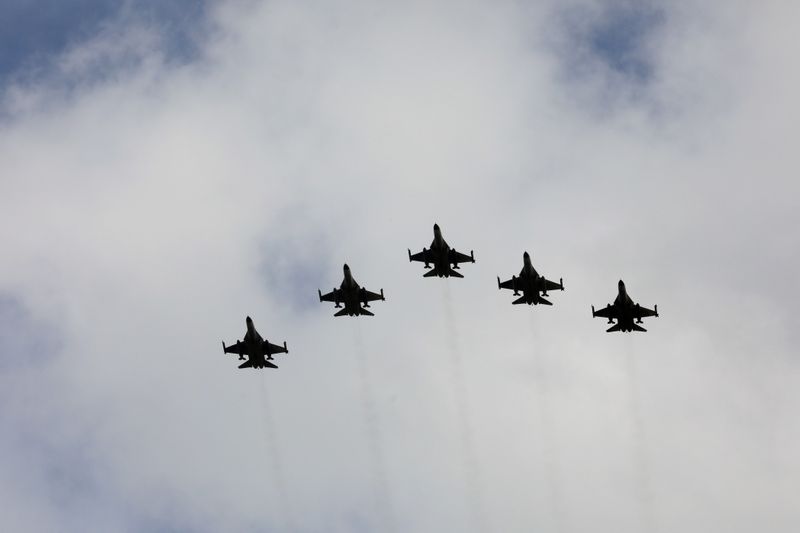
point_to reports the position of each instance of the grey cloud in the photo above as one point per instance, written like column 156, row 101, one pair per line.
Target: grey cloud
column 149, row 212
column 25, row 341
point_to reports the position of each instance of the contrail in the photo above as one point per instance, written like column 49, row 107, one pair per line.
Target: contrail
column 273, row 450
column 643, row 478
column 474, row 481
column 548, row 435
column 380, row 482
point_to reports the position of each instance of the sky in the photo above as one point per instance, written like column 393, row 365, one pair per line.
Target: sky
column 169, row 169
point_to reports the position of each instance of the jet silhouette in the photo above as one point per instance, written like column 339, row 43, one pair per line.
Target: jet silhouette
column 258, row 351
column 530, row 283
column 352, row 296
column 625, row 311
column 442, row 257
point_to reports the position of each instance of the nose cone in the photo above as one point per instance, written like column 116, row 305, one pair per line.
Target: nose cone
column 436, row 227
column 249, row 321
column 621, row 285
column 526, row 256
column 346, row 268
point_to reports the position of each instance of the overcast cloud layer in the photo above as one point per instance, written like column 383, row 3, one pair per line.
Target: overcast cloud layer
column 151, row 201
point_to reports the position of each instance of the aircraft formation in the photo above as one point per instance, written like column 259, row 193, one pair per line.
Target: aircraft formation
column 441, row 261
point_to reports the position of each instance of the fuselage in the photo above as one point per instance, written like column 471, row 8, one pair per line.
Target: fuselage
column 529, row 281
column 350, row 293
column 625, row 306
column 622, row 300
column 438, row 241
column 252, row 337
column 440, row 253
column 348, row 283
column 253, row 343
column 527, row 266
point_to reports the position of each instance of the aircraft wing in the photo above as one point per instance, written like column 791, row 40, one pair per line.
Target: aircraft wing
column 553, row 286
column 641, row 312
column 237, row 348
column 370, row 296
column 268, row 348
column 506, row 284
column 458, row 257
column 422, row 257
column 607, row 312
column 330, row 297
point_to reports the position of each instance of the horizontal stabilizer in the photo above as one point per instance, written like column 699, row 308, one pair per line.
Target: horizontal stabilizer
column 368, row 313
column 615, row 327
column 431, row 273
column 454, row 274
column 638, row 328
column 524, row 300
column 249, row 364
column 341, row 313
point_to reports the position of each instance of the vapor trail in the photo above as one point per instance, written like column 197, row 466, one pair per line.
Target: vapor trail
column 272, row 449
column 473, row 477
column 380, row 482
column 643, row 477
column 549, row 452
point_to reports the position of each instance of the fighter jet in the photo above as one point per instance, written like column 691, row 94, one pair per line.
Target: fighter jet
column 625, row 312
column 442, row 256
column 258, row 351
column 352, row 296
column 530, row 283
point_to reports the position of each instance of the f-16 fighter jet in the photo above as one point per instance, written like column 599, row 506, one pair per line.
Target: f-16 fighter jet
column 258, row 351
column 625, row 312
column 351, row 295
column 530, row 283
column 442, row 257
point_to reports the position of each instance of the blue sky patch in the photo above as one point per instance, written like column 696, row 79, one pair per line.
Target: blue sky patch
column 613, row 39
column 33, row 32
column 619, row 39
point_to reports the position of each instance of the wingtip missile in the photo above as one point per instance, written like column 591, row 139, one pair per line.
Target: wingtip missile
column 409, row 255
column 284, row 347
column 472, row 255
column 498, row 283
column 561, row 282
column 594, row 314
column 320, row 294
column 655, row 309
column 383, row 298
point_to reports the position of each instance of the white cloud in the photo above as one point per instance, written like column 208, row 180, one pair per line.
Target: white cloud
column 147, row 213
